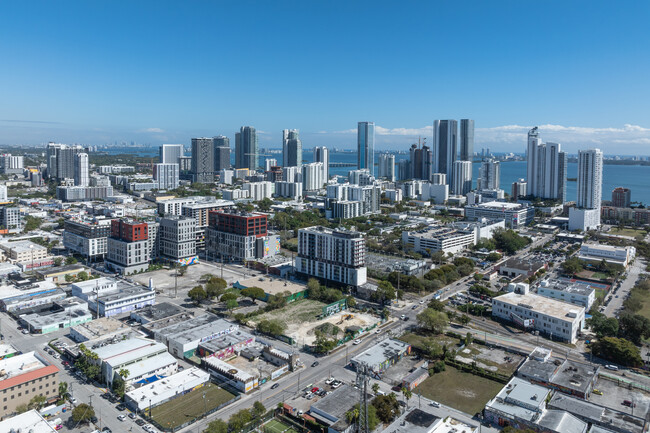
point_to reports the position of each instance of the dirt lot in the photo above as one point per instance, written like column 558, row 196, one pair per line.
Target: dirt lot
column 301, row 318
column 490, row 358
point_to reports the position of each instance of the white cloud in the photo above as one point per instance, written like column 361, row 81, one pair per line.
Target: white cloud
column 152, row 130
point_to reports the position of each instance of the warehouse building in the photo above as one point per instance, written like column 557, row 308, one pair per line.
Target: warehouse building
column 516, row 215
column 559, row 320
column 382, row 355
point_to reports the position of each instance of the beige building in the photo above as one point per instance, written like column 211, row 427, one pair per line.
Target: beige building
column 23, row 377
column 23, row 251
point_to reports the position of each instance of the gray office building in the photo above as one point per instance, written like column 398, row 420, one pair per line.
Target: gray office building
column 203, row 160
column 322, row 154
column 445, row 135
column 291, row 148
column 221, row 153
column 466, row 139
column 366, row 146
column 246, row 148
column 61, row 160
column 421, row 162
column 171, row 153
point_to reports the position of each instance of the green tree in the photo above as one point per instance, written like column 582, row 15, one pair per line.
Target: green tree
column 438, row 366
column 70, row 260
column 231, row 304
column 58, row 261
column 253, row 293
column 271, row 327
column 22, row 408
column 32, row 223
column 602, row 325
column 468, row 339
column 373, row 420
column 228, row 297
column 37, row 402
column 375, row 387
column 217, row 426
column 509, row 241
column 432, row 320
column 618, row 350
column 572, row 266
column 213, row 290
column 436, row 304
column 407, row 395
column 197, row 294
column 238, row 420
column 386, row 407
column 265, row 204
column 351, row 301
column 275, row 302
column 82, row 413
column 385, row 292
column 464, row 319
column 633, row 327
column 258, row 409
column 323, row 344
column 82, row 276
column 63, row 388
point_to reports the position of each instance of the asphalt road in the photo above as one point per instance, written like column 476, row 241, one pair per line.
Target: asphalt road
column 616, row 301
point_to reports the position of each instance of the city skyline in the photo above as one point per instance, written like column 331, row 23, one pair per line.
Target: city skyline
column 141, row 85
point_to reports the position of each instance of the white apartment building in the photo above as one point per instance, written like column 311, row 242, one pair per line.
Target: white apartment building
column 438, row 238
column 586, row 215
column 557, row 319
column 611, row 254
column 333, row 255
column 177, row 237
column 259, row 190
column 361, row 177
column 394, row 195
column 386, row 167
column 166, row 176
column 23, row 251
column 344, row 209
column 235, row 194
column 288, row 189
column 576, row 294
column 322, row 154
column 439, row 193
column 313, row 176
column 174, row 206
column 226, row 176
column 127, row 257
column 546, row 168
column 462, row 183
column 291, row 174
column 81, row 174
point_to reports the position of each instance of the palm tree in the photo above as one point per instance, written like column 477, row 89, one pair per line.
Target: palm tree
column 352, row 415
column 63, row 389
column 124, row 373
column 407, row 396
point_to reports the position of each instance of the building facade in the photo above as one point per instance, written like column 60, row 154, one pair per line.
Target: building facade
column 178, row 239
column 203, row 160
column 366, row 146
column 445, row 147
column 246, row 148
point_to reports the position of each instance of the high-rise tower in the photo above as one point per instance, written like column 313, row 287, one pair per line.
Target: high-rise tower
column 366, row 146
column 203, row 160
column 246, row 148
column 291, row 148
column 445, row 135
column 466, row 140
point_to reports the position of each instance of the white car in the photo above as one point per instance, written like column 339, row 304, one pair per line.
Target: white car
column 73, row 400
column 121, row 417
column 357, row 341
column 611, row 367
column 435, row 404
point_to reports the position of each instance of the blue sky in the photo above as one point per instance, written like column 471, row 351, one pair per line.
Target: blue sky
column 156, row 71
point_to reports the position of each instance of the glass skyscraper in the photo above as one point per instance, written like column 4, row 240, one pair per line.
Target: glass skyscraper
column 366, row 146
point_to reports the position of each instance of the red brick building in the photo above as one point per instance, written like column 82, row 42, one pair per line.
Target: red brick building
column 245, row 224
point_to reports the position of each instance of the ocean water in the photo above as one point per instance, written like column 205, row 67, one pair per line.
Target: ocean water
column 635, row 177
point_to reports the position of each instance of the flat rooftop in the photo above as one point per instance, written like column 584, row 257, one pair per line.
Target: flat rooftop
column 519, row 398
column 22, row 246
column 548, row 306
column 597, row 414
column 200, row 332
column 126, row 350
column 273, row 285
column 226, row 340
column 221, row 366
column 20, row 364
column 563, row 286
column 380, row 352
column 566, row 373
column 338, row 402
column 122, row 293
column 170, row 384
column 163, row 328
column 559, row 420
column 150, row 364
column 151, row 313
column 524, row 265
column 38, row 321
column 30, row 421
column 100, row 327
column 500, row 205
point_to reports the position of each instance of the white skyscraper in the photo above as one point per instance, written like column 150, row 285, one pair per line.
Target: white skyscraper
column 366, row 146
column 586, row 215
column 81, row 175
column 489, row 175
column 546, row 168
column 171, row 153
column 3, row 193
column 312, row 176
column 445, row 136
column 270, row 162
column 322, row 154
column 291, row 148
column 386, row 166
column 462, row 183
column 590, row 178
column 165, row 176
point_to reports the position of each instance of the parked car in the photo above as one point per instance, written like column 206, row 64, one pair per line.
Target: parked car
column 314, row 364
column 121, row 417
column 132, row 415
column 611, row 367
column 140, row 422
column 629, row 403
column 275, row 385
column 357, row 341
column 597, row 391
column 435, row 404
column 120, row 407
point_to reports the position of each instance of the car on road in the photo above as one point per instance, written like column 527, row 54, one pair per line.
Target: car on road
column 120, row 407
column 597, row 391
column 435, row 404
column 403, row 316
column 275, row 385
column 611, row 367
column 25, row 331
column 378, row 331
column 357, row 341
column 629, row 403
column 132, row 415
column 107, row 430
column 121, row 417
column 314, row 364
column 140, row 422
column 73, row 400
column 414, row 307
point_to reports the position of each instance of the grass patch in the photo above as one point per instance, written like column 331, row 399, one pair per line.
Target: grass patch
column 304, row 310
column 460, row 390
column 600, row 276
column 190, row 406
column 639, row 234
column 419, row 341
column 645, row 304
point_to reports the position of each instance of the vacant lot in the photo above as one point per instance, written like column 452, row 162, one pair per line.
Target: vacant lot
column 190, row 406
column 490, row 358
column 640, row 234
column 419, row 341
column 301, row 318
column 463, row 391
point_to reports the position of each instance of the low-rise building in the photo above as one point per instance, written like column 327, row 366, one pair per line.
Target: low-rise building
column 615, row 255
column 331, row 410
column 577, row 294
column 567, row 376
column 516, row 267
column 423, row 420
column 24, row 377
column 225, row 345
column 23, row 251
column 142, row 358
column 126, row 298
column 63, row 314
column 30, row 421
column 381, row 356
column 515, row 215
column 557, row 319
column 152, row 313
column 164, row 390
column 236, row 377
column 438, row 238
column 104, row 327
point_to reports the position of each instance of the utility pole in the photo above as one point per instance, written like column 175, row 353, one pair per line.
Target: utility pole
column 175, row 279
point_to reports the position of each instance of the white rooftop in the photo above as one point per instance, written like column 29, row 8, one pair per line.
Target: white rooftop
column 150, row 364
column 122, row 352
column 30, row 421
column 170, row 384
column 20, row 364
column 542, row 304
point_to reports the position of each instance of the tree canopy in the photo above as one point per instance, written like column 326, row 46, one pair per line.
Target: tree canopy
column 432, row 320
column 618, row 350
